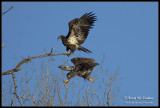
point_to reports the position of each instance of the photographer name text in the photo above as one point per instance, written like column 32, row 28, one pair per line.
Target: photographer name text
column 138, row 98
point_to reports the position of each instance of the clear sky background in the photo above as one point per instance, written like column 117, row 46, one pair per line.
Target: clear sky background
column 125, row 32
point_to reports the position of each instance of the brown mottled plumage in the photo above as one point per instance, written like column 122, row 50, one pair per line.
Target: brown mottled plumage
column 83, row 68
column 78, row 32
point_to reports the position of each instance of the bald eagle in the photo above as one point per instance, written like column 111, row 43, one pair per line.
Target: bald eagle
column 82, row 67
column 78, row 32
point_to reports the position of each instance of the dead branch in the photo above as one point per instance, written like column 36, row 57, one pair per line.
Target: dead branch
column 85, row 92
column 7, row 10
column 97, row 96
column 29, row 100
column 29, row 60
column 15, row 89
column 65, row 95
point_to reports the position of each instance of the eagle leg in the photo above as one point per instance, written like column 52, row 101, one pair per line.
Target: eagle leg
column 66, row 81
column 66, row 53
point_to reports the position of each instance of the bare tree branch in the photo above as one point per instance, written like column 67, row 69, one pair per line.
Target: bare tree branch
column 29, row 60
column 51, row 91
column 29, row 100
column 97, row 96
column 15, row 89
column 86, row 92
column 65, row 95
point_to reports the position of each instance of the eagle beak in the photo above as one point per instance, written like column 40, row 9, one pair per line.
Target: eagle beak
column 60, row 37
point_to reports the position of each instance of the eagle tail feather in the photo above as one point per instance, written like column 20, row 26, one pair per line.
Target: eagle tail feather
column 84, row 49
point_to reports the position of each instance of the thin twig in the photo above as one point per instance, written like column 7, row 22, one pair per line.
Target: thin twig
column 96, row 95
column 7, row 10
column 85, row 92
column 28, row 88
column 65, row 95
column 59, row 96
column 29, row 100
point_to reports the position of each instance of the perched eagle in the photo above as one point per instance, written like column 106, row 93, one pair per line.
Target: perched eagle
column 78, row 32
column 83, row 68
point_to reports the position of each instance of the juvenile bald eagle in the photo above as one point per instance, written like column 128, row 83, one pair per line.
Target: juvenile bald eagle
column 78, row 32
column 83, row 68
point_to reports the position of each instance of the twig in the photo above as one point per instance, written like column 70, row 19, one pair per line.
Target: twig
column 59, row 96
column 27, row 85
column 65, row 95
column 96, row 95
column 29, row 100
column 108, row 94
column 85, row 92
column 7, row 10
column 50, row 54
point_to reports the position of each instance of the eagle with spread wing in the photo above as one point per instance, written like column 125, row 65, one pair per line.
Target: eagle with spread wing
column 83, row 68
column 78, row 32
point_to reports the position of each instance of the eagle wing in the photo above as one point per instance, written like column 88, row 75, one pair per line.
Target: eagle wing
column 79, row 28
column 77, row 61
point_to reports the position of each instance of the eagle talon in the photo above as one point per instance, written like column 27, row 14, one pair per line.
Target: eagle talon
column 66, row 53
column 92, row 81
column 66, row 81
column 69, row 54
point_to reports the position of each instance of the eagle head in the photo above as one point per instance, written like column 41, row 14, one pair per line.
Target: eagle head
column 63, row 67
column 95, row 64
column 61, row 37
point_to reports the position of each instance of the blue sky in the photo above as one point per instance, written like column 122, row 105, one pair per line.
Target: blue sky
column 125, row 32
